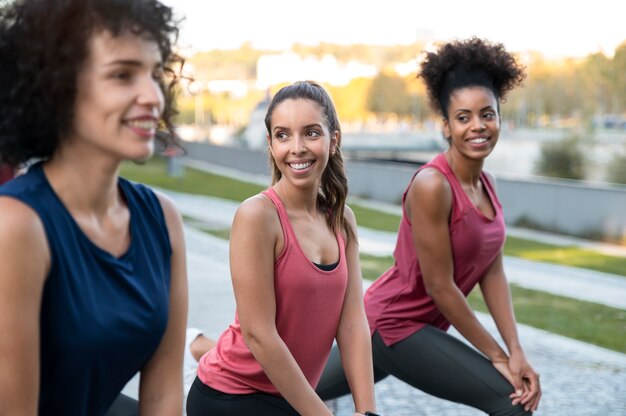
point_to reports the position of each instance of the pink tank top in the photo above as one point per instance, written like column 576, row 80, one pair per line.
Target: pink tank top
column 308, row 306
column 397, row 304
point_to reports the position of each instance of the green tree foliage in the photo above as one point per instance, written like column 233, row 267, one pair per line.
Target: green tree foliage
column 388, row 94
column 226, row 64
column 351, row 100
column 562, row 159
column 597, row 71
column 619, row 74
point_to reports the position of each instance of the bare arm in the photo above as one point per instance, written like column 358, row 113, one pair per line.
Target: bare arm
column 353, row 334
column 495, row 290
column 160, row 391
column 253, row 239
column 24, row 265
column 429, row 207
column 517, row 369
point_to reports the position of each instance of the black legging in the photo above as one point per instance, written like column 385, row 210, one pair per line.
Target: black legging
column 436, row 363
column 204, row 401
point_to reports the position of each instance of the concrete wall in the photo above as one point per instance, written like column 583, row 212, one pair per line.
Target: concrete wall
column 248, row 160
column 571, row 207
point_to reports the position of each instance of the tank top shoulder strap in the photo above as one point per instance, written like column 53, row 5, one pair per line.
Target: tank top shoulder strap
column 282, row 212
column 440, row 163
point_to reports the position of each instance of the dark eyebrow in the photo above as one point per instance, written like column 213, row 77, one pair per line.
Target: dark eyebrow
column 131, row 62
column 464, row 110
column 308, row 126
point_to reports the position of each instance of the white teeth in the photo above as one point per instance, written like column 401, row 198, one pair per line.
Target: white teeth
column 142, row 124
column 300, row 166
column 478, row 140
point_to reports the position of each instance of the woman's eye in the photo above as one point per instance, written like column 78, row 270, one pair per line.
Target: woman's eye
column 281, row 136
column 313, row 133
column 489, row 116
column 122, row 75
column 157, row 74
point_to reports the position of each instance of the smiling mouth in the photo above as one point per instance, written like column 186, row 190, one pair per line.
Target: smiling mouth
column 142, row 124
column 300, row 166
column 478, row 140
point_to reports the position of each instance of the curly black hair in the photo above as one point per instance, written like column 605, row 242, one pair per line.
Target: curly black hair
column 43, row 44
column 466, row 63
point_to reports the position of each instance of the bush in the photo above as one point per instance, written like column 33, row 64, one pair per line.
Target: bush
column 562, row 159
column 616, row 170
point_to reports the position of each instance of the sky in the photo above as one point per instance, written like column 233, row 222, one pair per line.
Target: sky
column 557, row 28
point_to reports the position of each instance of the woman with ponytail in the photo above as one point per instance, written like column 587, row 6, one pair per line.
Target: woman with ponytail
column 296, row 276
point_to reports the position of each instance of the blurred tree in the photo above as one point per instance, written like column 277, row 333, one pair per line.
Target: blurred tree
column 388, row 94
column 619, row 77
column 351, row 100
column 597, row 71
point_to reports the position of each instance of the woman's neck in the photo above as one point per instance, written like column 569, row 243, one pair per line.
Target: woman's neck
column 85, row 184
column 297, row 199
column 466, row 170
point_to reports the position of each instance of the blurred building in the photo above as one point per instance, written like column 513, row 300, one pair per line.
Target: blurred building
column 289, row 67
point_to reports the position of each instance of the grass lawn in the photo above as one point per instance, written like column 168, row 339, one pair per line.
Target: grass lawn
column 154, row 172
column 565, row 255
column 585, row 321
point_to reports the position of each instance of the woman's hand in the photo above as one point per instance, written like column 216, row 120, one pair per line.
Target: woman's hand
column 527, row 379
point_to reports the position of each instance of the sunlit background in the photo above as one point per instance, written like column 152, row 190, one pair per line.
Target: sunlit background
column 367, row 54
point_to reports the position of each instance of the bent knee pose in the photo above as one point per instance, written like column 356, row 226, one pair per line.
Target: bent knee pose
column 296, row 277
column 450, row 239
column 93, row 284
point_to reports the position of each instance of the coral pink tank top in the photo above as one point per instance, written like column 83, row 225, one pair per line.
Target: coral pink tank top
column 308, row 306
column 397, row 304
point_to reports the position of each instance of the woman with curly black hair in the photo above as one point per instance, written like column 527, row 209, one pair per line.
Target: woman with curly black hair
column 93, row 286
column 450, row 239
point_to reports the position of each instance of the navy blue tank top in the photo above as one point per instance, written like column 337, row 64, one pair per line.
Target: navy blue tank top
column 102, row 317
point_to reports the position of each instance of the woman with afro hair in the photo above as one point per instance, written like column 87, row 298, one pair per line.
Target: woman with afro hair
column 450, row 239
column 93, row 285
